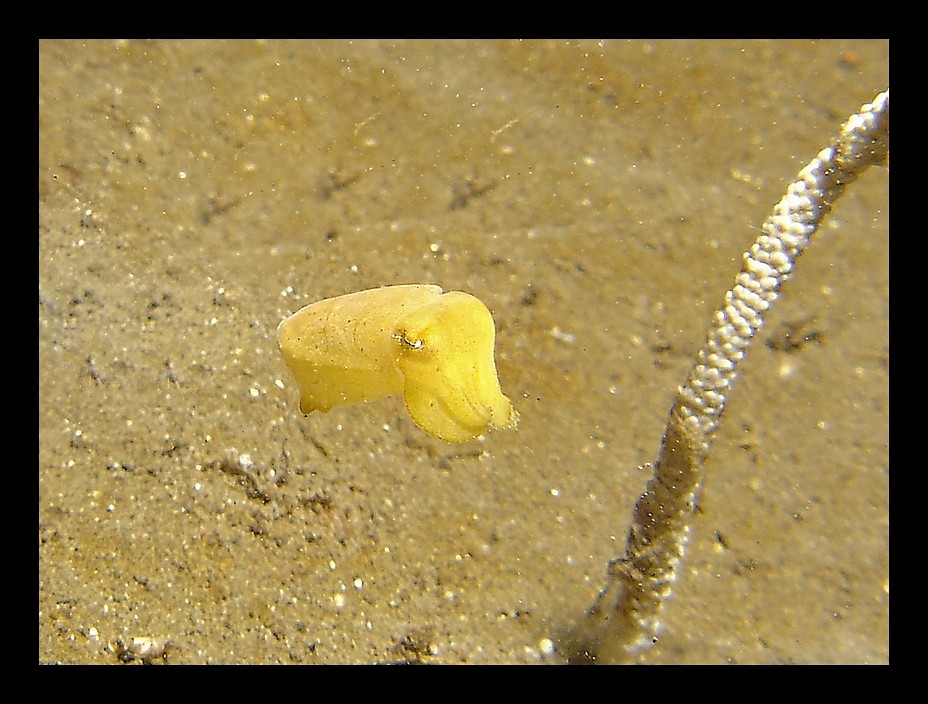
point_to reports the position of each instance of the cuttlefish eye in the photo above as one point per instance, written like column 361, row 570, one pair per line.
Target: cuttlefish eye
column 435, row 348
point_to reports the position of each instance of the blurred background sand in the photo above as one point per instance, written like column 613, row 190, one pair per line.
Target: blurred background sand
column 597, row 196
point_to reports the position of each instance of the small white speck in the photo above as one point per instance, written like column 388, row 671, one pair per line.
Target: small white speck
column 182, row 175
column 253, row 392
column 562, row 336
column 245, row 461
column 338, row 600
column 555, row 493
column 197, row 486
column 92, row 633
column 278, row 383
column 358, row 583
column 332, row 564
column 546, row 645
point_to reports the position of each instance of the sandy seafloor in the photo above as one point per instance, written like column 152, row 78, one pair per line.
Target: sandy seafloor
column 597, row 196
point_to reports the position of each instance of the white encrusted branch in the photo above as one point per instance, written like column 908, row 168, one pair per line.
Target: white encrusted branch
column 625, row 617
column 864, row 140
